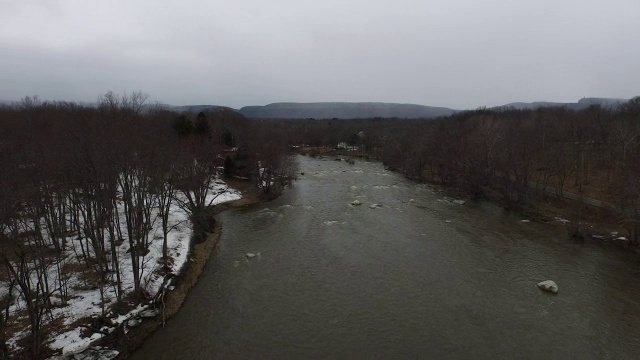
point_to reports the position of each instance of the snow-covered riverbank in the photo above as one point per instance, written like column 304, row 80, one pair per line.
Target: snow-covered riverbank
column 71, row 326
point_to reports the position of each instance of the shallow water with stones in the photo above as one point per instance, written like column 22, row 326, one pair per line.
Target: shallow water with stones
column 417, row 277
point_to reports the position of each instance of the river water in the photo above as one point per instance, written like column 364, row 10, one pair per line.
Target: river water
column 418, row 277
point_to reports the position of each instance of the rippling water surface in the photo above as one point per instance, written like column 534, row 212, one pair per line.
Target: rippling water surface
column 417, row 277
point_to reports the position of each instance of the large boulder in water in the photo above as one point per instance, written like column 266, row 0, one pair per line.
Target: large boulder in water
column 148, row 314
column 548, row 285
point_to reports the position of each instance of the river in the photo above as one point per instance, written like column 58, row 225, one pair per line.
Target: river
column 418, row 277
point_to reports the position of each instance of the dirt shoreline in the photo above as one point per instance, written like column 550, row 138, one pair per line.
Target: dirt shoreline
column 595, row 224
column 200, row 254
column 583, row 222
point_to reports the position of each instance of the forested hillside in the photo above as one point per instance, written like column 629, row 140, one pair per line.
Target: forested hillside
column 506, row 154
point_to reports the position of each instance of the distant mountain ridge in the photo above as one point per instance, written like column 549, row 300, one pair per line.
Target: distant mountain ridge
column 195, row 108
column 581, row 104
column 343, row 110
column 365, row 110
column 358, row 110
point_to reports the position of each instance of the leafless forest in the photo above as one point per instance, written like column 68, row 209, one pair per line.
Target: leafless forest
column 92, row 180
column 505, row 154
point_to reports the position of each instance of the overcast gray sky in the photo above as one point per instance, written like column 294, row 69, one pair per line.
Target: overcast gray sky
column 455, row 53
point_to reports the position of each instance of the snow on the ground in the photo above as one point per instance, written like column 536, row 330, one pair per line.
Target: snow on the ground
column 85, row 302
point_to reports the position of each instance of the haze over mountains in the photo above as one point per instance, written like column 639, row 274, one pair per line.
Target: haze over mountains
column 363, row 110
column 581, row 104
column 343, row 110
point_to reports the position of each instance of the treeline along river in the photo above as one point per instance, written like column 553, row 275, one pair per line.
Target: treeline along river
column 415, row 277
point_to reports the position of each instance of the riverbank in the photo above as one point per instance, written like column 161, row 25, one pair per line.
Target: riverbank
column 88, row 303
column 93, row 323
column 126, row 343
column 583, row 221
column 461, row 276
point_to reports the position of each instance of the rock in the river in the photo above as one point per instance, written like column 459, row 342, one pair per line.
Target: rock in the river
column 148, row 314
column 412, row 200
column 134, row 322
column 459, row 202
column 375, row 206
column 548, row 285
column 356, row 202
column 251, row 255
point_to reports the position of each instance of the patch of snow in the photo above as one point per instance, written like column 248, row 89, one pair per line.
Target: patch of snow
column 86, row 303
column 148, row 314
column 70, row 342
column 12, row 342
column 92, row 353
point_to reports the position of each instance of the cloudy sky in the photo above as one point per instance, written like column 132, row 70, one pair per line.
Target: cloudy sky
column 455, row 53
